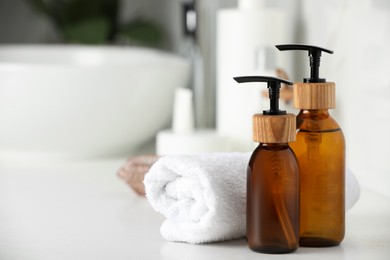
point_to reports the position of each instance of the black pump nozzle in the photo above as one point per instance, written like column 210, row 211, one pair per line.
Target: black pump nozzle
column 315, row 58
column 273, row 85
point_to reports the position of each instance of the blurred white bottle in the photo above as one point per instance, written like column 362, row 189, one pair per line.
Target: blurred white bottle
column 245, row 46
column 183, row 138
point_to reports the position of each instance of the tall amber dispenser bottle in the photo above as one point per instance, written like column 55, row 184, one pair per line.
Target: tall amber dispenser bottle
column 320, row 149
column 272, row 178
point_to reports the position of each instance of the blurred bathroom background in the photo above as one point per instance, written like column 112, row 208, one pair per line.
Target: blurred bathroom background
column 200, row 45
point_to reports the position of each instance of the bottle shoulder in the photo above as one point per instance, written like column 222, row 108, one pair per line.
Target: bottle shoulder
column 264, row 151
column 320, row 132
column 316, row 121
column 271, row 161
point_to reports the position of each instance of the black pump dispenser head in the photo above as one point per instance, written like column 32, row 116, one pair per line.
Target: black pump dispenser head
column 273, row 85
column 314, row 56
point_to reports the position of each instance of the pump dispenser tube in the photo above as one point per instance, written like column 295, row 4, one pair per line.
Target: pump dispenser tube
column 272, row 178
column 320, row 149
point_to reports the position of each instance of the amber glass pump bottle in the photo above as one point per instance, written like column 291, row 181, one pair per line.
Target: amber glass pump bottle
column 272, row 178
column 320, row 149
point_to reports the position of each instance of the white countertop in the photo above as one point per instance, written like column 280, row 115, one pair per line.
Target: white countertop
column 81, row 210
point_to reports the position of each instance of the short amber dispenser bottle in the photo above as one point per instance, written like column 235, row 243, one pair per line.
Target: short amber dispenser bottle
column 320, row 149
column 273, row 178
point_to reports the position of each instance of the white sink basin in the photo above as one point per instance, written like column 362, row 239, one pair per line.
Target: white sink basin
column 74, row 101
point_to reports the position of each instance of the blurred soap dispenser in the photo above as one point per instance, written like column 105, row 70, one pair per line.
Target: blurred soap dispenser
column 272, row 178
column 320, row 149
column 245, row 45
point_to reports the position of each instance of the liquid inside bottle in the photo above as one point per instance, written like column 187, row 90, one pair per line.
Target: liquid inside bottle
column 320, row 150
column 273, row 199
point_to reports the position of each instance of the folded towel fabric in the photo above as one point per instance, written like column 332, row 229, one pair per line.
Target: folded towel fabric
column 203, row 196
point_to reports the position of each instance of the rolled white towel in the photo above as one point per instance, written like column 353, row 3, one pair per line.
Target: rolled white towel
column 352, row 189
column 203, row 196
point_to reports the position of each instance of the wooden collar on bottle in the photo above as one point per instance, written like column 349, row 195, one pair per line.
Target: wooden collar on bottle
column 314, row 95
column 274, row 129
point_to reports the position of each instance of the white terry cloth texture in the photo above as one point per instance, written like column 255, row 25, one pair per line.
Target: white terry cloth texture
column 203, row 196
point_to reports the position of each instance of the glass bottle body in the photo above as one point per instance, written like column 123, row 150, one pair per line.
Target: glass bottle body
column 273, row 199
column 320, row 150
